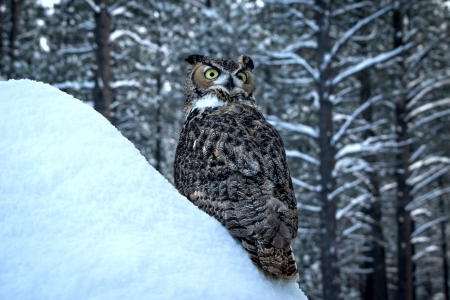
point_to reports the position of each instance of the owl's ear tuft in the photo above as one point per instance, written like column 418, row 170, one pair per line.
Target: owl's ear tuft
column 246, row 61
column 196, row 58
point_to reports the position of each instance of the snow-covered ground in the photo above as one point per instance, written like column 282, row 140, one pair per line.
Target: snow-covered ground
column 83, row 215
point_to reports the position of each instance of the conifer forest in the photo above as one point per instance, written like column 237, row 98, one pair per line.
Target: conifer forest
column 358, row 89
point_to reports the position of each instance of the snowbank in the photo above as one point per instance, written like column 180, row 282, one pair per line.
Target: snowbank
column 83, row 215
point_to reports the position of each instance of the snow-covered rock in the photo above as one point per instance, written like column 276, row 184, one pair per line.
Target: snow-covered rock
column 83, row 215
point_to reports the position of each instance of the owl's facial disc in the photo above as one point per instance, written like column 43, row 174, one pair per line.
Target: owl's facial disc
column 228, row 83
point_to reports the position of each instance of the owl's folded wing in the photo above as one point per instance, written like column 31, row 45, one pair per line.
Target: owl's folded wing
column 234, row 168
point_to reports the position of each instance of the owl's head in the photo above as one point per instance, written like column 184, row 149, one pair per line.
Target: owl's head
column 216, row 82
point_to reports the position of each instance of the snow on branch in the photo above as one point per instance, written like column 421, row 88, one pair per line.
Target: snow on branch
column 74, row 85
column 369, row 148
column 307, row 231
column 388, row 186
column 417, row 153
column 418, row 201
column 301, row 43
column 300, row 128
column 125, row 83
column 425, row 91
column 412, row 180
column 350, row 7
column 306, row 2
column 371, row 126
column 121, row 10
column 429, row 179
column 353, row 271
column 303, row 156
column 354, row 228
column 360, row 199
column 75, row 50
column 291, row 58
column 429, row 160
column 120, row 33
column 424, row 252
column 350, row 120
column 429, row 119
column 344, row 39
column 427, row 225
column 295, row 81
column 310, row 23
column 427, row 106
column 306, row 186
column 342, row 188
column 93, row 5
column 349, row 165
column 367, row 63
column 309, row 207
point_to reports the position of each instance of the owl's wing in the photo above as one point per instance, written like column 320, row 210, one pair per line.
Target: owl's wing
column 231, row 163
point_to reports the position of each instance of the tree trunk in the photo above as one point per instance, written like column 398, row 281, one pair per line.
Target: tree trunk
column 329, row 262
column 404, row 222
column 2, row 29
column 374, row 287
column 158, row 145
column 102, row 91
column 444, row 243
column 16, row 7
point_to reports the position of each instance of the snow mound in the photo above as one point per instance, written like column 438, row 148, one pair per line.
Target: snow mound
column 83, row 215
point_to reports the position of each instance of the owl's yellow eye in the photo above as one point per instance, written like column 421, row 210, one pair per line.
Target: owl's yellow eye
column 211, row 74
column 242, row 76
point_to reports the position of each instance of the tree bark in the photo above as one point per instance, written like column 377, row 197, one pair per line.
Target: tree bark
column 102, row 93
column 329, row 263
column 16, row 7
column 2, row 29
column 158, row 145
column 404, row 222
column 374, row 287
column 444, row 244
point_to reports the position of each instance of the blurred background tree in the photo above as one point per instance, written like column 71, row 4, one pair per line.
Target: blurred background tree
column 358, row 89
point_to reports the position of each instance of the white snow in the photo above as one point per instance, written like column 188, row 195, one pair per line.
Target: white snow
column 83, row 215
column 144, row 42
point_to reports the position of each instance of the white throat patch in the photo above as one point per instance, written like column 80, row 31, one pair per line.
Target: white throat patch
column 208, row 101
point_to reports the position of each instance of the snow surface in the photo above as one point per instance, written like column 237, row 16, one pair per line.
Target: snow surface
column 83, row 215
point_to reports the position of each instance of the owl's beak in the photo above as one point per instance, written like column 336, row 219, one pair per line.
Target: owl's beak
column 230, row 85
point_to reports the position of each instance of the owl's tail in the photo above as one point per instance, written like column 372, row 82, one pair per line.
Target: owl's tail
column 276, row 263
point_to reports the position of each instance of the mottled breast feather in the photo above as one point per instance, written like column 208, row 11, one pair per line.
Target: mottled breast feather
column 231, row 163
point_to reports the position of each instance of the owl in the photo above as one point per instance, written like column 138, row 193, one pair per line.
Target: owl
column 231, row 163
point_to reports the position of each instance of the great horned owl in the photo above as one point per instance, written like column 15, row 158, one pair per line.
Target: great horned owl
column 231, row 163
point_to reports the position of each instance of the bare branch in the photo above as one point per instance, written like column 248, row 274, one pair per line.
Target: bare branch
column 418, row 201
column 425, row 91
column 303, row 156
column 294, row 59
column 367, row 63
column 310, row 23
column 346, row 186
column 360, row 199
column 93, row 5
column 429, row 179
column 427, row 225
column 300, row 128
column 350, row 7
column 120, row 33
column 306, row 186
column 429, row 119
column 344, row 39
column 350, row 120
column 308, row 207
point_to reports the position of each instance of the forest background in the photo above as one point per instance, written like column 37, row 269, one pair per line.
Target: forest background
column 359, row 91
